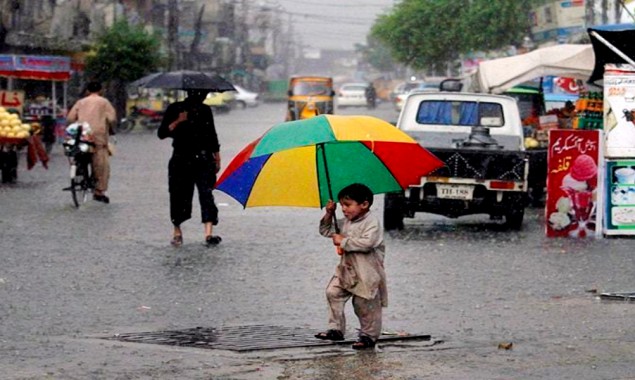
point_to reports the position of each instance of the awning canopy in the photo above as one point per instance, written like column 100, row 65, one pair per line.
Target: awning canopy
column 566, row 60
column 37, row 67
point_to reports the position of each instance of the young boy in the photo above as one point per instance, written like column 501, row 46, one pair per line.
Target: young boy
column 360, row 273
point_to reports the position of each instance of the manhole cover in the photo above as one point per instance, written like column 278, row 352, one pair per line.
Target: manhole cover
column 243, row 338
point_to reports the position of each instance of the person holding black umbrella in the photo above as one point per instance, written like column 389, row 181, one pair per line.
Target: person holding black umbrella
column 195, row 161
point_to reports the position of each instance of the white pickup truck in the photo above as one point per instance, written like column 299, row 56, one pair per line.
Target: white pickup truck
column 480, row 139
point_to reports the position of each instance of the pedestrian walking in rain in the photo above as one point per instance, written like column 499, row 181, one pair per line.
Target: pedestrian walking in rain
column 195, row 161
column 360, row 273
column 99, row 113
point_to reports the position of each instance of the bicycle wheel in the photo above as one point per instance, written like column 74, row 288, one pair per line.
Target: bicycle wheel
column 80, row 184
column 74, row 192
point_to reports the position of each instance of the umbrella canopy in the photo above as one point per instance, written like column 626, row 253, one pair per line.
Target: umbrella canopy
column 611, row 44
column 188, row 80
column 566, row 60
column 141, row 82
column 305, row 163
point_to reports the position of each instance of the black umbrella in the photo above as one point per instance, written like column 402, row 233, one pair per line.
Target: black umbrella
column 189, row 80
column 141, row 82
column 611, row 44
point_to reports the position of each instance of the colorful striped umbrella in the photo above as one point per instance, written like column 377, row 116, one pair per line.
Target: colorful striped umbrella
column 305, row 163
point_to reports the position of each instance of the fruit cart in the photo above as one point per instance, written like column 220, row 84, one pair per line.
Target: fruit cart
column 15, row 134
column 12, row 140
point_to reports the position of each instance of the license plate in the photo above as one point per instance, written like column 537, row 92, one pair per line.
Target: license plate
column 455, row 191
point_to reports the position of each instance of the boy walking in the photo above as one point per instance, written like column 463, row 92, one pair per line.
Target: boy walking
column 360, row 273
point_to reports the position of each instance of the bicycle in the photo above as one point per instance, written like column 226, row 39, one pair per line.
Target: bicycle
column 78, row 151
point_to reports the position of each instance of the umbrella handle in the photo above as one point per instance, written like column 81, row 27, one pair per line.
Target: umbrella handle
column 338, row 249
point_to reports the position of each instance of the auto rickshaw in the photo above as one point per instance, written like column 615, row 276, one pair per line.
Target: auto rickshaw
column 309, row 96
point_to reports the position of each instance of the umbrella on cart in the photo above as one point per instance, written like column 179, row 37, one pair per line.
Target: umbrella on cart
column 305, row 163
column 611, row 44
column 187, row 80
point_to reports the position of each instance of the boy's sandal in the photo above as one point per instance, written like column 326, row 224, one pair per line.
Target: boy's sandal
column 330, row 335
column 177, row 240
column 363, row 343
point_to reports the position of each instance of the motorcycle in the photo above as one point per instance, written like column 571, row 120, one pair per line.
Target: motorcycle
column 148, row 118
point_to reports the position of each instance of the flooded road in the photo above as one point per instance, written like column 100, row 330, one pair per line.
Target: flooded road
column 70, row 276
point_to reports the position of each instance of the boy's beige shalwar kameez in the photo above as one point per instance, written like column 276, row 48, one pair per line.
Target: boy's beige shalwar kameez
column 360, row 274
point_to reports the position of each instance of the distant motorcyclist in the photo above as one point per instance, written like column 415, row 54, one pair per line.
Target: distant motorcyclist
column 371, row 96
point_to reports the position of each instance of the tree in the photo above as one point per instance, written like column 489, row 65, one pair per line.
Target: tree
column 120, row 55
column 430, row 34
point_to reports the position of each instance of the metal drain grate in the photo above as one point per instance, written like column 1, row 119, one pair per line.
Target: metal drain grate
column 618, row 296
column 243, row 338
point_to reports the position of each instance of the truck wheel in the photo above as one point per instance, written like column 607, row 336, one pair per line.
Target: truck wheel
column 514, row 219
column 393, row 212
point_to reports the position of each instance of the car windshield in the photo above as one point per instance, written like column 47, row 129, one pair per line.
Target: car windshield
column 410, row 86
column 361, row 88
column 310, row 88
column 449, row 112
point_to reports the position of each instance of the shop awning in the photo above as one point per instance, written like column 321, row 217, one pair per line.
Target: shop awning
column 567, row 60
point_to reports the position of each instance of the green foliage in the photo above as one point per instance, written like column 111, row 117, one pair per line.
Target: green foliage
column 123, row 53
column 428, row 34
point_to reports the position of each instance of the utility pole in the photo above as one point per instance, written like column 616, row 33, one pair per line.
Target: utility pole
column 173, row 35
column 590, row 13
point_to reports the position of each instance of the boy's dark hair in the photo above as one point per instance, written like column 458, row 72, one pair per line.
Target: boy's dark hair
column 357, row 192
column 93, row 87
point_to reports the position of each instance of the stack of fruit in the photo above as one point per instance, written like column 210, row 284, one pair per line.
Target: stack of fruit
column 531, row 143
column 12, row 127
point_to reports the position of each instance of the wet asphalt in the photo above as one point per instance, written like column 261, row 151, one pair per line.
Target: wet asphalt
column 72, row 276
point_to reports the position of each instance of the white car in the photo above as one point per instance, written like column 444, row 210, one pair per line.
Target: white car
column 352, row 95
column 245, row 98
column 408, row 87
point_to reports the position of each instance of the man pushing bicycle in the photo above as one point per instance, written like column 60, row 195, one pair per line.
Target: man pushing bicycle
column 99, row 113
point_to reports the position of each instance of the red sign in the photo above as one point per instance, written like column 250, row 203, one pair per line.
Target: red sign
column 572, row 181
column 12, row 100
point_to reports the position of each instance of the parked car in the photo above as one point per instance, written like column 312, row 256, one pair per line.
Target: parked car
column 352, row 95
column 418, row 85
column 220, row 101
column 245, row 98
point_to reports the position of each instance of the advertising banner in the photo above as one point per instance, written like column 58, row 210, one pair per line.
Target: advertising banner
column 573, row 162
column 619, row 110
column 557, row 19
column 620, row 197
column 45, row 67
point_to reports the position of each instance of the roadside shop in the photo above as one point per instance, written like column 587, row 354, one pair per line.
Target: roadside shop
column 19, row 127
